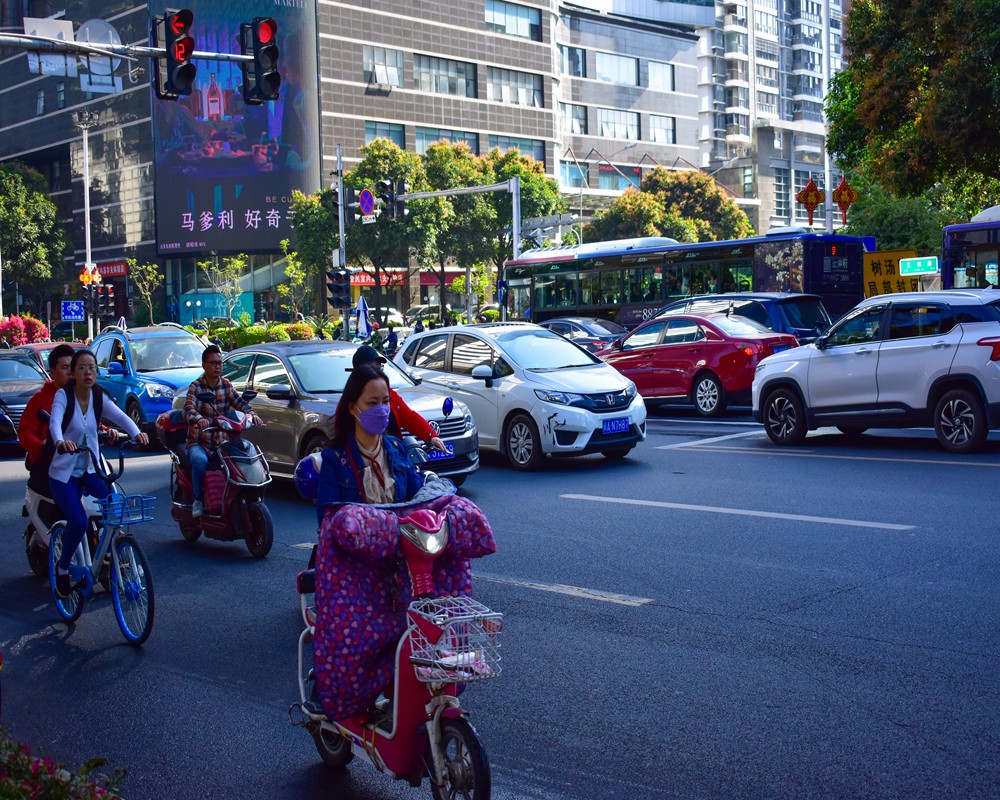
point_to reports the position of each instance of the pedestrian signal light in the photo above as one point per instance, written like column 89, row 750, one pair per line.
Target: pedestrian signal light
column 180, row 47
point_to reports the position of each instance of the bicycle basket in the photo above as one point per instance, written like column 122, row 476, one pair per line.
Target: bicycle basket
column 130, row 509
column 454, row 639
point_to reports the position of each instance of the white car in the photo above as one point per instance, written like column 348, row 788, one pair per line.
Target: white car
column 894, row 361
column 531, row 392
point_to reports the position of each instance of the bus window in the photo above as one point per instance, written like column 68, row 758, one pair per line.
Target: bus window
column 590, row 289
column 611, row 288
column 555, row 291
column 737, row 277
column 673, row 282
column 644, row 285
column 704, row 279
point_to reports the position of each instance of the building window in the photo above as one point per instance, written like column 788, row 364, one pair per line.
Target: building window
column 765, row 23
column 661, row 76
column 383, row 66
column 782, row 194
column 55, row 180
column 40, row 103
column 530, row 147
column 574, row 118
column 737, row 97
column 618, row 179
column 767, row 51
column 385, row 130
column 513, row 20
column 573, row 61
column 60, row 95
column 427, row 136
column 748, row 181
column 736, row 42
column 662, row 129
column 617, row 69
column 514, row 88
column 767, row 103
column 615, row 124
column 573, row 176
column 441, row 76
column 737, row 125
column 767, row 76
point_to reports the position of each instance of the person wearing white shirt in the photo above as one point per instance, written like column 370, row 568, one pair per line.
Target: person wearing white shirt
column 72, row 470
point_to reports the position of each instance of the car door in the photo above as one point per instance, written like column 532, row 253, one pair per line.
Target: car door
column 467, row 353
column 683, row 350
column 116, row 384
column 278, row 439
column 427, row 359
column 919, row 347
column 635, row 358
column 842, row 377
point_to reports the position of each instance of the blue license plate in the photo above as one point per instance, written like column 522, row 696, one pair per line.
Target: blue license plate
column 779, row 347
column 617, row 425
column 436, row 455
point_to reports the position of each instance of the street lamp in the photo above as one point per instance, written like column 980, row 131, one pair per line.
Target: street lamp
column 85, row 120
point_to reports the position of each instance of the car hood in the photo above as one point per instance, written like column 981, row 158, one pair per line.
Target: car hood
column 427, row 402
column 592, row 379
column 176, row 378
column 19, row 392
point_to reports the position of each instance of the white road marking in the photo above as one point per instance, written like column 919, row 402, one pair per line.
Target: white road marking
column 574, row 591
column 699, row 442
column 305, row 545
column 813, row 454
column 742, row 512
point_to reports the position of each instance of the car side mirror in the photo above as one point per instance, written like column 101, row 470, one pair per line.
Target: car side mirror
column 280, row 391
column 116, row 368
column 483, row 373
column 820, row 342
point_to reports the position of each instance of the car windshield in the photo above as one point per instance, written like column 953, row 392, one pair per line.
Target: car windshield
column 740, row 326
column 14, row 369
column 542, row 349
column 606, row 325
column 162, row 352
column 325, row 371
column 806, row 313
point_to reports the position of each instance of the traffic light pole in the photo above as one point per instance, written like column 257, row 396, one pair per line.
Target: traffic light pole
column 342, row 250
column 128, row 51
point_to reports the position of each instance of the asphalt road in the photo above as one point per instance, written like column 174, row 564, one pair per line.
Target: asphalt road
column 713, row 617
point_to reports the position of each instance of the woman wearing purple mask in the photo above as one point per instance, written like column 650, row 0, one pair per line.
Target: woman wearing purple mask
column 361, row 464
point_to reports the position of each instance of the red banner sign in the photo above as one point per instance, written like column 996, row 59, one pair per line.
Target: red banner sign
column 111, row 269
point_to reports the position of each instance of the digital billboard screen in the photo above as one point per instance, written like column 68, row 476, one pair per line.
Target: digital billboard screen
column 225, row 171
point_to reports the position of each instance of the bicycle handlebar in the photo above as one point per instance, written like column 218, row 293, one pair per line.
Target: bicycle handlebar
column 108, row 477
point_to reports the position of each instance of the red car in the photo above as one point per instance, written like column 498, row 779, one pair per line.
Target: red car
column 707, row 358
column 40, row 351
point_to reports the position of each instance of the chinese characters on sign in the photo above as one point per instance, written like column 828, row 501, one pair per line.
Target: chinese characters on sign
column 882, row 274
column 225, row 220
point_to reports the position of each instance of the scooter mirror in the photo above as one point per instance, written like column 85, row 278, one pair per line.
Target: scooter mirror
column 448, row 406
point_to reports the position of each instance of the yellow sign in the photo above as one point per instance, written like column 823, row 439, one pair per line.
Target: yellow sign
column 882, row 273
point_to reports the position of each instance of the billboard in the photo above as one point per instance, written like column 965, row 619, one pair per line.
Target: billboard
column 225, row 171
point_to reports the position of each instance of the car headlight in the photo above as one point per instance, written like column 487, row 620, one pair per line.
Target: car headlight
column 470, row 423
column 630, row 391
column 562, row 398
column 159, row 391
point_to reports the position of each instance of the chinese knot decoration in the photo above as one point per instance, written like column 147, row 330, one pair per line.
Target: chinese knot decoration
column 843, row 196
column 811, row 197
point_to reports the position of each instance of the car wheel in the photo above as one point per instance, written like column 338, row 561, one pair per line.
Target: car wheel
column 524, row 446
column 707, row 395
column 784, row 417
column 314, row 444
column 135, row 414
column 960, row 422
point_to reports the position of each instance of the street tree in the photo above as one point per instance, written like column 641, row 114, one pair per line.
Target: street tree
column 637, row 214
column 299, row 283
column 897, row 223
column 225, row 276
column 146, row 278
column 32, row 242
column 317, row 228
column 696, row 197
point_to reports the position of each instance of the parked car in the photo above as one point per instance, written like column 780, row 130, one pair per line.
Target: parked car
column 894, row 361
column 708, row 359
column 424, row 312
column 532, row 392
column 299, row 385
column 143, row 368
column 392, row 316
column 591, row 333
column 803, row 315
column 39, row 351
column 20, row 378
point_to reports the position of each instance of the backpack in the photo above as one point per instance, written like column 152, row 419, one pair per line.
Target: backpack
column 38, row 478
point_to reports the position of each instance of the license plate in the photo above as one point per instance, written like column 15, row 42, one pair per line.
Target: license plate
column 617, row 425
column 436, row 455
column 779, row 347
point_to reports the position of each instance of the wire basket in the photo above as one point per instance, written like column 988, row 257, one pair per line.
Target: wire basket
column 130, row 509
column 454, row 639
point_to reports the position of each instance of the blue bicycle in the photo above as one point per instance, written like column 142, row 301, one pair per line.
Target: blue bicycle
column 130, row 580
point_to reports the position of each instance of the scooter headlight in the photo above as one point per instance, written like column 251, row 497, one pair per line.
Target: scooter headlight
column 431, row 542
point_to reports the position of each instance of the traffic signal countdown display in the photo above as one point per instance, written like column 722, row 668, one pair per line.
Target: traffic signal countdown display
column 339, row 286
column 261, row 79
column 174, row 73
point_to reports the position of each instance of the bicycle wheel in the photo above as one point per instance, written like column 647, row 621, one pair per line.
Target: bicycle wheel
column 70, row 608
column 132, row 590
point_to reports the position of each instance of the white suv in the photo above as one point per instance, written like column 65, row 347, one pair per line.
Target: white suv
column 894, row 361
column 531, row 391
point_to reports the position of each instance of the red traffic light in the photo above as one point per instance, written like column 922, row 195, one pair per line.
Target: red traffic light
column 266, row 30
column 180, row 21
column 183, row 48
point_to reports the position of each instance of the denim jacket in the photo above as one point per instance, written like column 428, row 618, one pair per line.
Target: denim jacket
column 338, row 482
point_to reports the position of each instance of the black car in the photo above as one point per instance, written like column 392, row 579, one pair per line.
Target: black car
column 783, row 312
column 20, row 378
column 591, row 333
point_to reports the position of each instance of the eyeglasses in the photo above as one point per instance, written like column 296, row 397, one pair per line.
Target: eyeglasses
column 214, row 363
column 87, row 367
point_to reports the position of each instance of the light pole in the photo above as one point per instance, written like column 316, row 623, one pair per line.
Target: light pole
column 85, row 120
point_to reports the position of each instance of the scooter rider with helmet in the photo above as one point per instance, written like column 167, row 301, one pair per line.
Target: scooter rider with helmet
column 201, row 443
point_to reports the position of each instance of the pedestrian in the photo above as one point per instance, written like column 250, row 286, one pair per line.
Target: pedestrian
column 4, row 344
column 392, row 341
column 418, row 326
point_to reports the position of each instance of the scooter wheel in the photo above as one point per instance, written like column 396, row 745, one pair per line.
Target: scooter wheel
column 190, row 532
column 333, row 748
column 260, row 535
column 466, row 766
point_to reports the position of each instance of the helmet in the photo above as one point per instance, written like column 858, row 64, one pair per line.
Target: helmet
column 307, row 476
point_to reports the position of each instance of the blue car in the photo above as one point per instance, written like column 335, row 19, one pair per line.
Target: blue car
column 143, row 368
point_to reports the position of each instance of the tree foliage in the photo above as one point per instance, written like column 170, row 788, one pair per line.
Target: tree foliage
column 224, row 275
column 298, row 284
column 146, row 278
column 317, row 228
column 32, row 242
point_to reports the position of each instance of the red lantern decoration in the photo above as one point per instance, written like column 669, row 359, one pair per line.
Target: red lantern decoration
column 811, row 198
column 843, row 196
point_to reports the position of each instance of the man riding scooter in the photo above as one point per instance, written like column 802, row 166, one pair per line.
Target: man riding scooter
column 202, row 443
column 32, row 431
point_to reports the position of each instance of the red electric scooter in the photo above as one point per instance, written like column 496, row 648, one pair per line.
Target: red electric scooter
column 423, row 730
column 234, row 483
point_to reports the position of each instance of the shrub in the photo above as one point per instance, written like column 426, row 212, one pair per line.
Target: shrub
column 24, row 775
column 34, row 329
column 299, row 331
column 276, row 333
column 13, row 328
column 491, row 315
column 253, row 334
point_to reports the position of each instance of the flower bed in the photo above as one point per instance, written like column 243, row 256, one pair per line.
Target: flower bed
column 27, row 777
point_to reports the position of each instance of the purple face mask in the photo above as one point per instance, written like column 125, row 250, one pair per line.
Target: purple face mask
column 375, row 419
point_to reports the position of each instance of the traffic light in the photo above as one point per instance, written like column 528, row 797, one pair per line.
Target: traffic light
column 180, row 48
column 351, row 208
column 339, row 286
column 399, row 206
column 387, row 195
column 99, row 301
column 109, row 298
column 261, row 79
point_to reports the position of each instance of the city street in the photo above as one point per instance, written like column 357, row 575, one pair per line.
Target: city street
column 712, row 618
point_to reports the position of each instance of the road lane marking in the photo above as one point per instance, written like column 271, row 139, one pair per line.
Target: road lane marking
column 305, row 545
column 813, row 454
column 698, row 442
column 573, row 591
column 742, row 512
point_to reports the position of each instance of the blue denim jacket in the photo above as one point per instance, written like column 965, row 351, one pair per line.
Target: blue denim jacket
column 338, row 483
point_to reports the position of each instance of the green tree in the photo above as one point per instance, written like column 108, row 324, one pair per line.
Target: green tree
column 692, row 195
column 225, row 275
column 317, row 228
column 636, row 214
column 32, row 242
column 897, row 223
column 146, row 278
column 299, row 283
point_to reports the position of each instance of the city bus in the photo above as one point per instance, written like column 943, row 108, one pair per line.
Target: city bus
column 630, row 279
column 969, row 254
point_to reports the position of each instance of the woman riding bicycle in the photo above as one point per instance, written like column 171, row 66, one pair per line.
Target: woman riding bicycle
column 72, row 470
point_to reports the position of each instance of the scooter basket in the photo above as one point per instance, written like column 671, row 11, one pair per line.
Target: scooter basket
column 466, row 646
column 129, row 509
